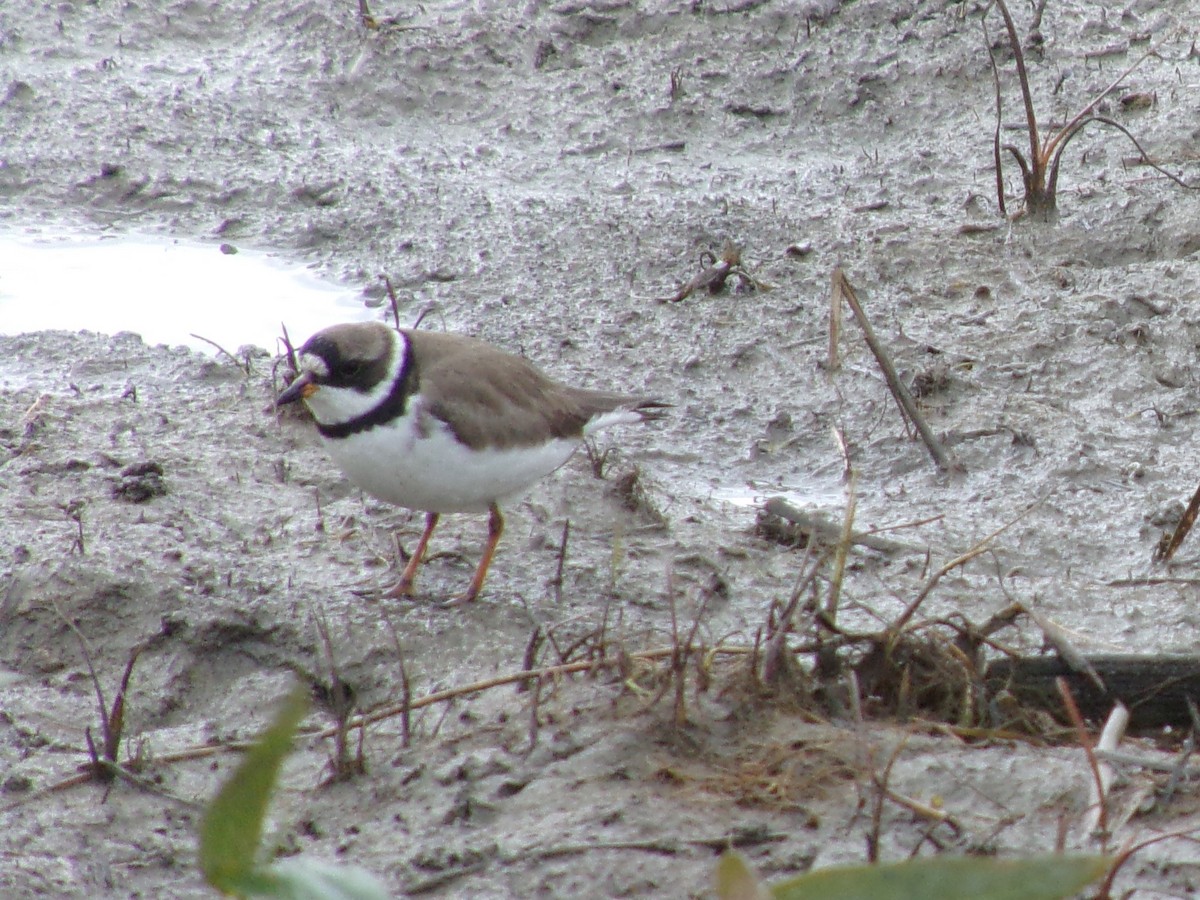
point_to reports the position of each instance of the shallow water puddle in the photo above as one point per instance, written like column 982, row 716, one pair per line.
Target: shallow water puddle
column 165, row 290
column 809, row 494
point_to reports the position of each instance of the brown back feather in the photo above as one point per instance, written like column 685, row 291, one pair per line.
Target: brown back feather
column 491, row 398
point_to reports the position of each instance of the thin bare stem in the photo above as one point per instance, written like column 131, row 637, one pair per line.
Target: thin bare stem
column 405, row 688
column 1068, row 131
column 904, row 400
column 835, row 323
column 392, row 297
column 1104, row 120
column 1064, row 691
column 879, row 781
column 999, row 119
column 776, row 639
column 244, row 365
column 902, row 620
column 562, row 562
column 841, row 553
column 1023, row 77
column 291, row 351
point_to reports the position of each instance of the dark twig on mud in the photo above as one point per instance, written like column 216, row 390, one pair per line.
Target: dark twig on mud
column 110, row 772
column 74, row 510
column 1149, row 582
column 405, row 688
column 392, row 298
column 442, row 879
column 562, row 562
column 775, row 644
column 777, row 634
column 422, row 313
column 664, row 847
column 592, row 642
column 1166, row 548
column 243, row 364
column 834, row 362
column 532, row 646
column 908, row 407
column 290, row 350
column 444, row 696
column 879, row 780
column 1085, row 742
column 535, row 715
column 406, row 705
column 715, row 273
column 1056, row 636
column 937, row 576
column 997, row 161
column 289, row 354
column 1125, row 855
column 1145, row 157
column 841, row 553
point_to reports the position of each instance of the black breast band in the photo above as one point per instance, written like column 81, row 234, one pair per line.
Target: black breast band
column 391, row 407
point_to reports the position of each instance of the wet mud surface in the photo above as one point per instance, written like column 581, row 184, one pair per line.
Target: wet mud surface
column 543, row 175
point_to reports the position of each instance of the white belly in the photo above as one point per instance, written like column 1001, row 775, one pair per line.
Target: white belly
column 433, row 472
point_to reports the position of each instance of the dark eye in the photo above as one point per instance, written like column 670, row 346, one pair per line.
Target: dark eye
column 350, row 370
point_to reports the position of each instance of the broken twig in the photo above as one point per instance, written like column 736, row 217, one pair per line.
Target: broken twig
column 908, row 407
column 1166, row 548
column 714, row 275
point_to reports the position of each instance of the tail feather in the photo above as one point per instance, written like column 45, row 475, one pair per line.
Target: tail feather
column 651, row 409
column 615, row 409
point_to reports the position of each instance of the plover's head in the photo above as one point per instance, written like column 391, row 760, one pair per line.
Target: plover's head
column 346, row 371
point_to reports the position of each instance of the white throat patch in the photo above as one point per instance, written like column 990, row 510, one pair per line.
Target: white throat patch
column 336, row 405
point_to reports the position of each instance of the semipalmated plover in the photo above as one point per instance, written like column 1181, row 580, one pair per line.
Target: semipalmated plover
column 445, row 423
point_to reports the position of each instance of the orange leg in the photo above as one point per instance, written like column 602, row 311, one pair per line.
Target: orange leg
column 404, row 587
column 495, row 529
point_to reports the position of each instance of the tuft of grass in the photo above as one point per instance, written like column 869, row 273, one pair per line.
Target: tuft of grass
column 339, row 697
column 1039, row 170
column 105, row 765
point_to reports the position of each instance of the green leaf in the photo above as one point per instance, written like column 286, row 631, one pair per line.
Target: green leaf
column 232, row 826
column 302, row 878
column 949, row 878
column 310, row 879
column 735, row 879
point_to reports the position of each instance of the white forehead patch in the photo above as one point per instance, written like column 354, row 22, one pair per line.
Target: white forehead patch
column 338, row 405
column 310, row 362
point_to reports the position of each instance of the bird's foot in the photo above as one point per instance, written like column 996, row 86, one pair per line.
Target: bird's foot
column 402, row 588
column 460, row 600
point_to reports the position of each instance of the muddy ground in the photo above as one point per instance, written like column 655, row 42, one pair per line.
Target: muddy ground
column 542, row 173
